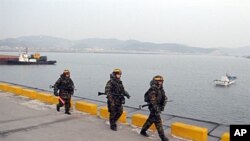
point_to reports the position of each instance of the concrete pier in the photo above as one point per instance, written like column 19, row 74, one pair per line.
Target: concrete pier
column 28, row 119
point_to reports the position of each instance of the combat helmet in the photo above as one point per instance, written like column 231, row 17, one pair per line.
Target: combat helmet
column 158, row 78
column 117, row 71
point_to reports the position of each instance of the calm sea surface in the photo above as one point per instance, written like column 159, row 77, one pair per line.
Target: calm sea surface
column 188, row 80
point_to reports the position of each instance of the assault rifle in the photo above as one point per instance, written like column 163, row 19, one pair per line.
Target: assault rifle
column 146, row 105
column 124, row 94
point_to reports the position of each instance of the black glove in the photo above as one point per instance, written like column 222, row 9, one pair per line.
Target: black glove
column 56, row 93
column 127, row 95
column 161, row 108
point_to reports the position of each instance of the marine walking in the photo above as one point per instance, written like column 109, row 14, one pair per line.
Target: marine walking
column 66, row 87
column 115, row 92
column 156, row 99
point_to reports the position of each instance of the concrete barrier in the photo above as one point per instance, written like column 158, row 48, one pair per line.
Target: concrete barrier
column 3, row 86
column 45, row 97
column 15, row 89
column 225, row 137
column 105, row 114
column 7, row 87
column 29, row 93
column 54, row 100
column 140, row 119
column 189, row 131
column 86, row 107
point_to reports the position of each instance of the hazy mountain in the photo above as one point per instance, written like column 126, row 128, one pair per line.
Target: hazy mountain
column 98, row 43
column 242, row 51
column 134, row 45
column 37, row 42
column 170, row 47
column 53, row 43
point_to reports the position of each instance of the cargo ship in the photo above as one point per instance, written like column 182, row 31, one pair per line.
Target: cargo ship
column 25, row 59
column 5, row 58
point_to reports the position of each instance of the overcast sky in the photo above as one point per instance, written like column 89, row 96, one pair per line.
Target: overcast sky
column 201, row 23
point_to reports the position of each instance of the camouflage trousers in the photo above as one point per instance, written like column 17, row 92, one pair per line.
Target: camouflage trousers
column 115, row 113
column 66, row 103
column 156, row 119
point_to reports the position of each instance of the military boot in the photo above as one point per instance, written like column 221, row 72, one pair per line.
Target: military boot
column 145, row 128
column 58, row 108
column 113, row 127
column 144, row 133
column 164, row 139
column 68, row 113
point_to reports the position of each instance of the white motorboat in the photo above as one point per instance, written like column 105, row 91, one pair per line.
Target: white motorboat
column 225, row 80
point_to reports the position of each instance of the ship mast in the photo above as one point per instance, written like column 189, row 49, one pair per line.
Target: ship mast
column 26, row 50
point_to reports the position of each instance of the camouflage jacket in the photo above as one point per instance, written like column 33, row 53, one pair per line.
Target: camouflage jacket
column 114, row 90
column 65, row 86
column 156, row 97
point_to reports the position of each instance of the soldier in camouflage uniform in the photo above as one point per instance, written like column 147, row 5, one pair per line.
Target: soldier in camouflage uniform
column 66, row 88
column 115, row 97
column 156, row 99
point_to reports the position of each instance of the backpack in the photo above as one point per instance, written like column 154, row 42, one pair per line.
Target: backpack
column 146, row 96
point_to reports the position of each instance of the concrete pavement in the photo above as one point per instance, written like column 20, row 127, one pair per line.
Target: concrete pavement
column 23, row 119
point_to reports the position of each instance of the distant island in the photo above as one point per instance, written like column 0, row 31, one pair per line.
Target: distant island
column 98, row 45
column 248, row 57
